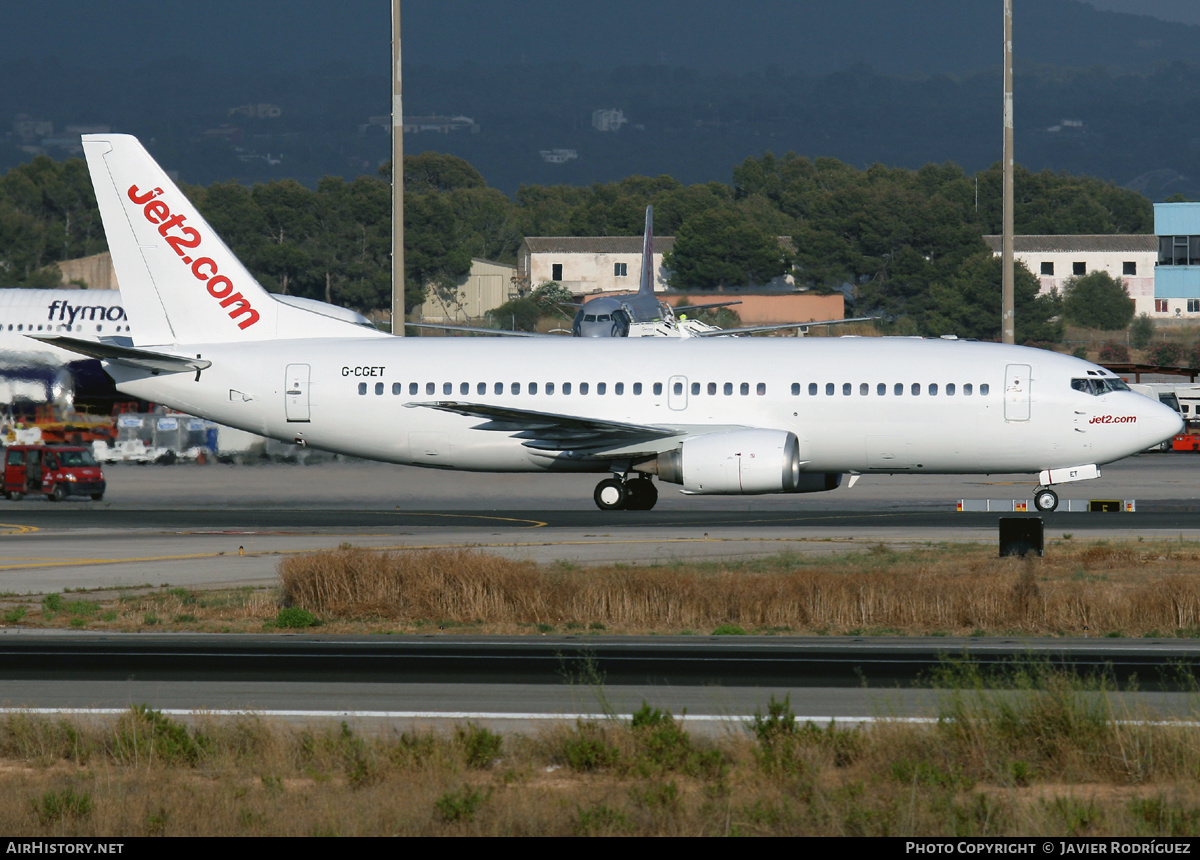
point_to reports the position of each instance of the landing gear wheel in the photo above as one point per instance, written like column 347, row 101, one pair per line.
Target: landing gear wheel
column 1045, row 499
column 642, row 494
column 611, row 495
column 58, row 493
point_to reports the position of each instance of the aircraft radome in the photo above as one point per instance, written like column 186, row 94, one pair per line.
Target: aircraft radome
column 713, row 415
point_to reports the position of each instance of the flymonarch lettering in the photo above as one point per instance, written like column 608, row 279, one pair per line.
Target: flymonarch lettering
column 185, row 242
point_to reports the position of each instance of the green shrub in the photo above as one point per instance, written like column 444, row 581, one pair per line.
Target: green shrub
column 295, row 617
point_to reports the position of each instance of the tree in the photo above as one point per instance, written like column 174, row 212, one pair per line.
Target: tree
column 1141, row 331
column 723, row 247
column 967, row 304
column 1097, row 300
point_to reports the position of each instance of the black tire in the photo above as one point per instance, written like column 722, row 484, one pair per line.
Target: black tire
column 58, row 493
column 1045, row 500
column 611, row 495
column 97, row 497
column 643, row 495
column 14, row 495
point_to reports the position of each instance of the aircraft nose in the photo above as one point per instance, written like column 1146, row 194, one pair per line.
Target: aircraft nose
column 1158, row 423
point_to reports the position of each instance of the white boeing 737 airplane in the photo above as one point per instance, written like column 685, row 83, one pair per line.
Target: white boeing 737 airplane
column 713, row 415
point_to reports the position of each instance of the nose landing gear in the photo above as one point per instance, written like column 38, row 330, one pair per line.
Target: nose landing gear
column 618, row 494
column 1045, row 499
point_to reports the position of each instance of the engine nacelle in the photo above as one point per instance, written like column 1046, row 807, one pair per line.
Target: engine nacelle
column 741, row 462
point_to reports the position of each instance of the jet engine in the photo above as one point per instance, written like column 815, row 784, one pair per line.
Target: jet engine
column 740, row 462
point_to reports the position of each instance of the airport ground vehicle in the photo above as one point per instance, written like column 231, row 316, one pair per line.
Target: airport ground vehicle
column 57, row 471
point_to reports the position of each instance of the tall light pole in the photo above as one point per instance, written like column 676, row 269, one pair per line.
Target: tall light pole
column 1007, row 311
column 397, row 179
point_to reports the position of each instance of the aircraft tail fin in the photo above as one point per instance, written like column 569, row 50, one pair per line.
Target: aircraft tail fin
column 646, row 287
column 180, row 283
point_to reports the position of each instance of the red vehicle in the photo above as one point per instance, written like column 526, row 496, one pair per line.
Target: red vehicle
column 58, row 471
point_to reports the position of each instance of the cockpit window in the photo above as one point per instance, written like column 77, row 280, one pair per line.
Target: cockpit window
column 1097, row 386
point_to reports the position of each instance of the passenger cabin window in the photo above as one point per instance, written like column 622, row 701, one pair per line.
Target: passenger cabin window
column 637, row 388
column 657, row 389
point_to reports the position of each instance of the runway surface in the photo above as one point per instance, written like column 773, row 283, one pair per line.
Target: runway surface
column 214, row 525
column 208, row 526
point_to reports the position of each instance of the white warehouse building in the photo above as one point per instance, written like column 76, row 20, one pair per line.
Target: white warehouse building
column 1056, row 259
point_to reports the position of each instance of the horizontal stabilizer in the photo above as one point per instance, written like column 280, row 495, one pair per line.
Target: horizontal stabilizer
column 127, row 355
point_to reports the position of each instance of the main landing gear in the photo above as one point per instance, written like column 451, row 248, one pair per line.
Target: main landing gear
column 618, row 494
column 1045, row 499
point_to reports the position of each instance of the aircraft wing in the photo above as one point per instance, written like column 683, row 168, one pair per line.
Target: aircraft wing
column 709, row 305
column 480, row 330
column 776, row 327
column 548, row 431
column 144, row 359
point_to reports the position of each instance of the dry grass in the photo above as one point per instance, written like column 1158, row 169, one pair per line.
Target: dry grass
column 1053, row 766
column 1099, row 589
column 1132, row 589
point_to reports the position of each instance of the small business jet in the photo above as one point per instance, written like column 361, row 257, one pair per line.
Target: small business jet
column 712, row 415
column 643, row 314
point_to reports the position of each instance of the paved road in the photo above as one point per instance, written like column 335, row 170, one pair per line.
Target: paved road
column 218, row 525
